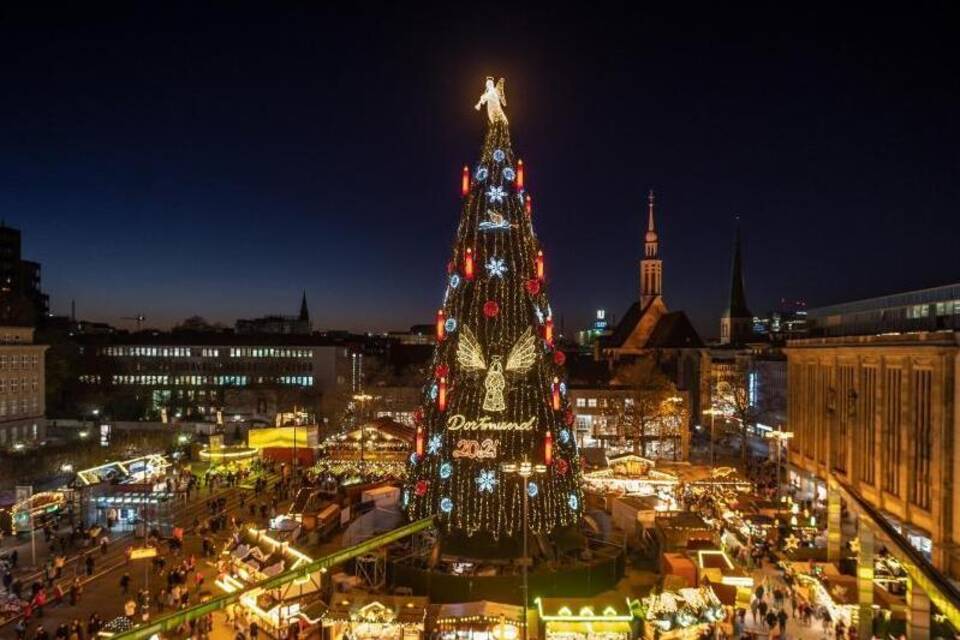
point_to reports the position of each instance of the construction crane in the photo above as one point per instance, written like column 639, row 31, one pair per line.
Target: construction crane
column 139, row 319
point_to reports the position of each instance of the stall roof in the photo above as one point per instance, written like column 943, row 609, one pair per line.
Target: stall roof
column 609, row 606
column 408, row 609
column 482, row 609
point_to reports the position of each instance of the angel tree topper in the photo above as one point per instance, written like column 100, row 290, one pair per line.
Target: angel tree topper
column 499, row 366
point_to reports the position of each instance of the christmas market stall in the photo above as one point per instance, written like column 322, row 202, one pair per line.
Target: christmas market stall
column 229, row 460
column 716, row 566
column 366, row 616
column 676, row 531
column 608, row 616
column 132, row 493
column 482, row 620
column 685, row 614
column 374, row 451
column 633, row 475
column 254, row 556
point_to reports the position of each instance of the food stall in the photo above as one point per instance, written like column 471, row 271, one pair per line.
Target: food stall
column 676, row 532
column 482, row 620
column 367, row 616
column 685, row 614
column 608, row 616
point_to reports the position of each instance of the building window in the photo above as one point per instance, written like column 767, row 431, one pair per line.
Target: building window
column 581, row 402
column 867, row 422
column 892, row 393
column 592, row 403
column 922, row 436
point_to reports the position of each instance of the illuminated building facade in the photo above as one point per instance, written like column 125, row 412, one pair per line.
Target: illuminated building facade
column 22, row 302
column 879, row 413
column 22, row 404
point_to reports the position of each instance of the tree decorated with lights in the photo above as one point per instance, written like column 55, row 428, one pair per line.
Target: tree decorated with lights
column 496, row 394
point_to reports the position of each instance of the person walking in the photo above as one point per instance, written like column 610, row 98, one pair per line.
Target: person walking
column 125, row 583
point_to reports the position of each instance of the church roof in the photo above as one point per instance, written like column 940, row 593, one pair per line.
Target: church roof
column 673, row 330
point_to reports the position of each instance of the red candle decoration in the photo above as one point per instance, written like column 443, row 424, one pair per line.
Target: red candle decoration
column 548, row 448
column 559, row 358
column 539, row 265
column 556, row 393
column 441, row 325
column 419, row 442
column 520, row 174
column 442, row 394
column 528, row 205
column 533, row 286
column 465, row 181
column 468, row 264
column 548, row 331
column 491, row 309
column 421, row 487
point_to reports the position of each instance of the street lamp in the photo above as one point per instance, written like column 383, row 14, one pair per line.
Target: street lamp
column 524, row 469
column 712, row 412
column 780, row 437
column 362, row 398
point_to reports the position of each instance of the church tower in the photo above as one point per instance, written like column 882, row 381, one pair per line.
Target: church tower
column 736, row 323
column 651, row 267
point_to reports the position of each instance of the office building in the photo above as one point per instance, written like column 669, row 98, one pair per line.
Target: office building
column 22, row 404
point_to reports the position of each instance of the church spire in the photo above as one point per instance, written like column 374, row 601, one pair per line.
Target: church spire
column 304, row 312
column 651, row 268
column 737, row 321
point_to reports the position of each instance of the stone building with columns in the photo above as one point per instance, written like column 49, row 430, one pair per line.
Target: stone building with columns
column 875, row 420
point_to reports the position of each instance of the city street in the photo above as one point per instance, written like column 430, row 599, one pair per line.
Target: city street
column 102, row 593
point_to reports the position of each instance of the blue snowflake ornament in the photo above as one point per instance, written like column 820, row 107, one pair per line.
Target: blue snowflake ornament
column 573, row 502
column 433, row 445
column 499, row 155
column 446, row 470
column 486, row 480
column 509, row 175
column 434, row 392
column 533, row 489
column 446, row 505
column 565, row 436
column 496, row 193
column 450, row 325
column 454, row 280
column 481, row 173
column 496, row 267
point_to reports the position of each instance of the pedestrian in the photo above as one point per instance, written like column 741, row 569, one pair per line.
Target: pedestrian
column 41, row 634
column 21, row 629
column 782, row 619
column 125, row 583
column 104, row 541
column 254, row 630
column 89, row 564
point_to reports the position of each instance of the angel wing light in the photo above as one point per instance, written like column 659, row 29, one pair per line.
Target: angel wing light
column 522, row 356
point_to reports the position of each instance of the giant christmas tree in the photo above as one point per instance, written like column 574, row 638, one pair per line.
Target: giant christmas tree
column 496, row 394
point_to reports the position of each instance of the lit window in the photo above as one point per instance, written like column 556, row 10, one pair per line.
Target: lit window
column 592, row 402
column 581, row 402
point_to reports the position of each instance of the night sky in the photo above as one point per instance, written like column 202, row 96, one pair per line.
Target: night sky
column 218, row 161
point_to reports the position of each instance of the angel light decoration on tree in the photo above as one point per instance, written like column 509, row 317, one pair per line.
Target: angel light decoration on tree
column 521, row 358
column 502, row 392
column 495, row 99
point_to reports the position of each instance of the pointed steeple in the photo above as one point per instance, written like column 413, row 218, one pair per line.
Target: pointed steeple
column 304, row 312
column 651, row 268
column 737, row 321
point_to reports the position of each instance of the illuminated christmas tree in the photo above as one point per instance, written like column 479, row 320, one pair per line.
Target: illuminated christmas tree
column 496, row 395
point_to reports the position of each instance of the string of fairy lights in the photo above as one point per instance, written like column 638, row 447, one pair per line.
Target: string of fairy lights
column 497, row 392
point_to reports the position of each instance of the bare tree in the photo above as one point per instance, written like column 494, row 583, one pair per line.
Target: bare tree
column 650, row 407
column 746, row 405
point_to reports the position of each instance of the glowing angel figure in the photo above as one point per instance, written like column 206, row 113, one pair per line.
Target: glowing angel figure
column 495, row 99
column 521, row 358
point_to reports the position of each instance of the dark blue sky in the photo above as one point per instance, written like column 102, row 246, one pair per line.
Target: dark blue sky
column 218, row 161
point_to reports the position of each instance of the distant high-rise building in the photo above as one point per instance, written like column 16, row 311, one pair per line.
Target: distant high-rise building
column 736, row 323
column 22, row 302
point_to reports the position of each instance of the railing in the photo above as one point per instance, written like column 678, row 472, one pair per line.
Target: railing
column 942, row 593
